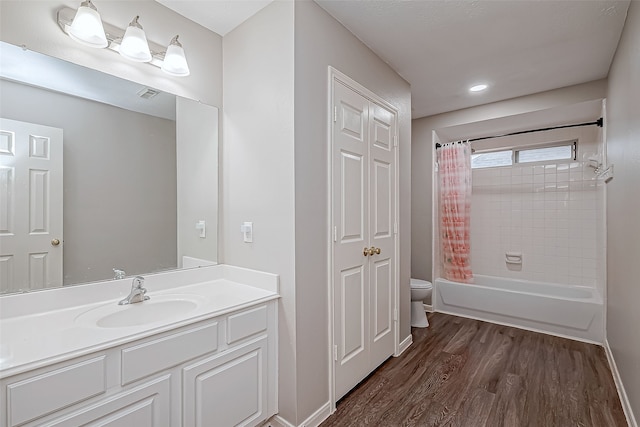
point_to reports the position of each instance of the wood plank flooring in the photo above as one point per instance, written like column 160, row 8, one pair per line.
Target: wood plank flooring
column 466, row 373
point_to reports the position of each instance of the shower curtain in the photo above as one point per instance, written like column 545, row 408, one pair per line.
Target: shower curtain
column 454, row 171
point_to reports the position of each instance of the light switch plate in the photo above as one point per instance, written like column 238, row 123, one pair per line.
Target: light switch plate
column 247, row 231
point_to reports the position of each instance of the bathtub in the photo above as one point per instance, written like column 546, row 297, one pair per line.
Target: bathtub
column 570, row 311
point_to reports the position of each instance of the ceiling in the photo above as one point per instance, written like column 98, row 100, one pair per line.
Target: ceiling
column 517, row 47
column 441, row 47
column 220, row 16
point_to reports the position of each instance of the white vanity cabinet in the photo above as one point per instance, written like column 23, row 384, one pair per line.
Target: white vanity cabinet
column 216, row 372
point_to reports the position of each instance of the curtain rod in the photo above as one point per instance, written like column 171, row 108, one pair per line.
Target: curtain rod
column 599, row 123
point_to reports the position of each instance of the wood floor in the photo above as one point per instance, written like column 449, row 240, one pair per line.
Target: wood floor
column 467, row 373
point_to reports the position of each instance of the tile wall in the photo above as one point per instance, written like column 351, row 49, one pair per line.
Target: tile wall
column 553, row 214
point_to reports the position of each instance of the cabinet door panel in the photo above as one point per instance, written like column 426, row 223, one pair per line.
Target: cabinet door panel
column 148, row 405
column 37, row 396
column 227, row 389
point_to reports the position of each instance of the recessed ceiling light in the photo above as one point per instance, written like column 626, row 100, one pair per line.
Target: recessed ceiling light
column 478, row 88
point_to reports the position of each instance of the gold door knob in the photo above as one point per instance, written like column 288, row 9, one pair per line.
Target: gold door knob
column 378, row 251
column 365, row 251
column 372, row 251
column 55, row 242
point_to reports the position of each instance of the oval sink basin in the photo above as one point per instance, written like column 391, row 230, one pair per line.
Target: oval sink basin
column 156, row 309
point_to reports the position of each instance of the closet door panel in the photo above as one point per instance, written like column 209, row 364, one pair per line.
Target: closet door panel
column 350, row 217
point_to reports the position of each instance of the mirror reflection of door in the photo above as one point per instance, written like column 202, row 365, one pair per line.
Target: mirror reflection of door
column 30, row 222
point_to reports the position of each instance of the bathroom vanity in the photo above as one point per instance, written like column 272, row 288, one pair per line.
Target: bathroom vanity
column 201, row 352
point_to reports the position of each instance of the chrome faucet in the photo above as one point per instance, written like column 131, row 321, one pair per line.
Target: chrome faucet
column 137, row 292
column 119, row 274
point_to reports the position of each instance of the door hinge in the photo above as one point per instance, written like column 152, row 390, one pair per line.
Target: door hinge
column 335, row 353
column 395, row 228
column 335, row 113
column 395, row 314
column 335, row 234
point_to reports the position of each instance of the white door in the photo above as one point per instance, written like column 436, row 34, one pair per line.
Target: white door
column 350, row 256
column 363, row 200
column 30, row 206
column 382, row 180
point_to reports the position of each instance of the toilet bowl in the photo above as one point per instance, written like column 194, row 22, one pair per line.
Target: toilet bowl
column 420, row 289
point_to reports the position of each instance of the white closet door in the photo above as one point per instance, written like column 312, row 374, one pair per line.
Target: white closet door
column 350, row 218
column 382, row 224
column 30, row 206
column 364, row 212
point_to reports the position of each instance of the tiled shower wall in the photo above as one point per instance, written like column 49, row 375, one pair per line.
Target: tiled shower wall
column 550, row 213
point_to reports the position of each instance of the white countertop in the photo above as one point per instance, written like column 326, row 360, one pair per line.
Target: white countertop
column 29, row 341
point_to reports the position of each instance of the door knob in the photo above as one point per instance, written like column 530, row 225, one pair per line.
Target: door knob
column 365, row 251
column 55, row 242
column 377, row 250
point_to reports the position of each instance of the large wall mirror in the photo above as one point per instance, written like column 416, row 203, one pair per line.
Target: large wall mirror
column 100, row 177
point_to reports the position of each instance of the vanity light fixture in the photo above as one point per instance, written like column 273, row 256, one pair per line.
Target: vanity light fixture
column 478, row 88
column 85, row 26
column 175, row 63
column 134, row 45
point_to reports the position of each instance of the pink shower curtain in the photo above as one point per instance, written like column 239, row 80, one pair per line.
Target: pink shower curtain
column 454, row 170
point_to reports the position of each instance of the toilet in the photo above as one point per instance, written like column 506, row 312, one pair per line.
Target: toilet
column 420, row 289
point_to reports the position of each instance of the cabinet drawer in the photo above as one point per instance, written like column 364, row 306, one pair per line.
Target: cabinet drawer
column 246, row 323
column 147, row 405
column 154, row 356
column 40, row 395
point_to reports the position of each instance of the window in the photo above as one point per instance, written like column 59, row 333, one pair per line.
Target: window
column 562, row 152
column 494, row 158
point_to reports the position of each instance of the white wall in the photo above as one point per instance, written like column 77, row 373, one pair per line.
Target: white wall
column 422, row 146
column 119, row 182
column 623, row 206
column 258, row 165
column 203, row 48
column 321, row 41
column 197, row 179
column 548, row 211
column 262, row 184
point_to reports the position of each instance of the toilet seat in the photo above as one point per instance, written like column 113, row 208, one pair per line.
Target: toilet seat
column 420, row 284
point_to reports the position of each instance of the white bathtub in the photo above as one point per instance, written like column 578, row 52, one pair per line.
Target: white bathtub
column 570, row 311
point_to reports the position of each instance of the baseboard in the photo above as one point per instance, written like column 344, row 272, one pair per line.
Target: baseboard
column 405, row 344
column 277, row 421
column 624, row 399
column 314, row 420
column 318, row 417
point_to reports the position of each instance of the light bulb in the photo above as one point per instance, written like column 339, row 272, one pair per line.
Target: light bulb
column 175, row 62
column 87, row 28
column 134, row 44
column 478, row 88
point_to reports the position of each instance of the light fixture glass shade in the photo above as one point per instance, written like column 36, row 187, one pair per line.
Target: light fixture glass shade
column 87, row 28
column 134, row 44
column 175, row 63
